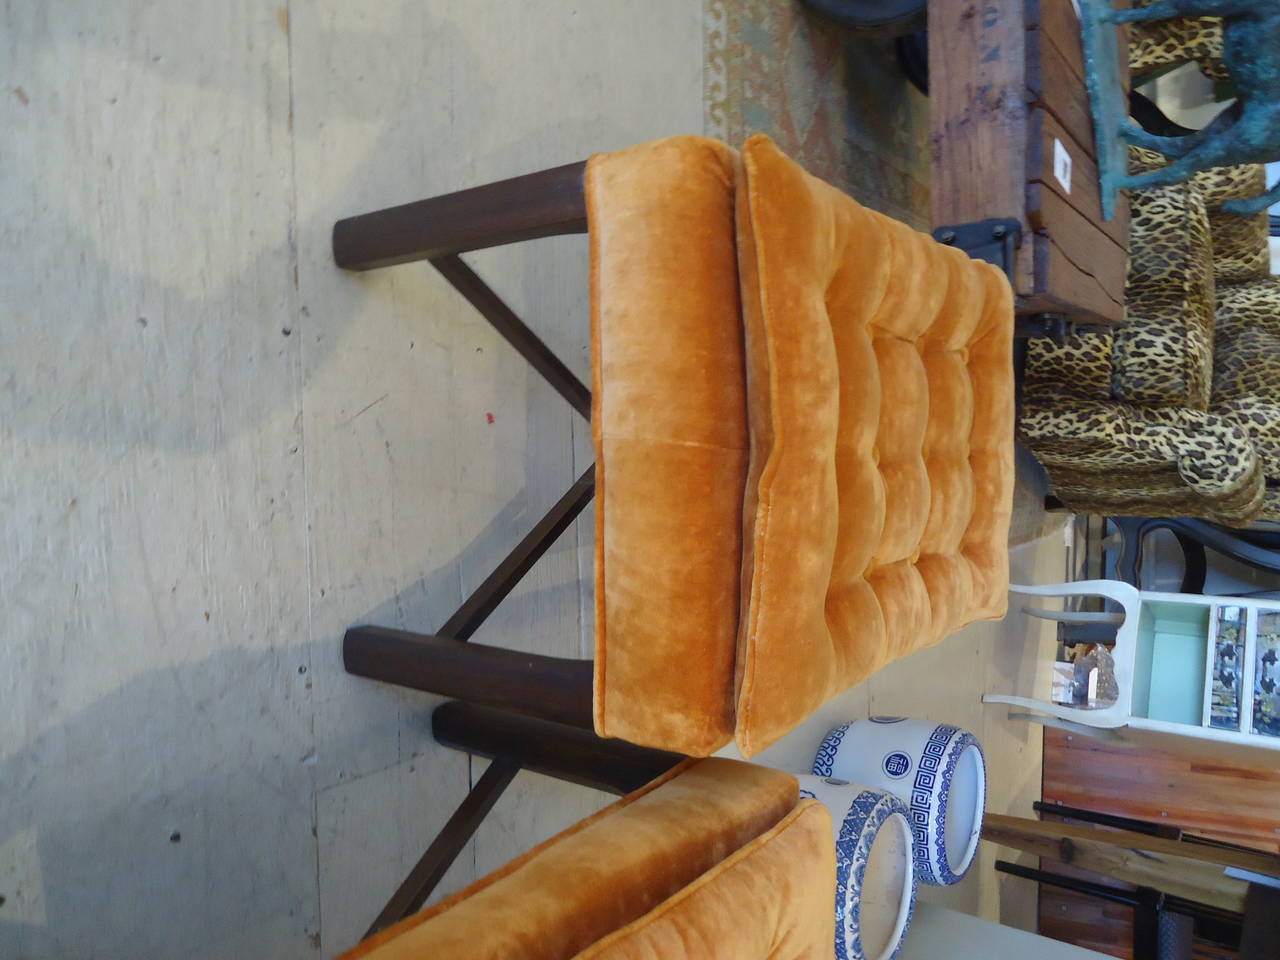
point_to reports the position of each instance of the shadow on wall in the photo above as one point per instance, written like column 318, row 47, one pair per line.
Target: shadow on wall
column 171, row 832
column 150, row 371
column 181, row 820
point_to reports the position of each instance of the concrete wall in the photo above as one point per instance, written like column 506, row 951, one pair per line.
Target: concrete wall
column 217, row 451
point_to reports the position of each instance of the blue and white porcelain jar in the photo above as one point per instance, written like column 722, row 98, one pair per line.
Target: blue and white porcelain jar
column 875, row 877
column 936, row 768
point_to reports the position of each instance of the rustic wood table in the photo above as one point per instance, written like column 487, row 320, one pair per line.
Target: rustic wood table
column 1012, row 138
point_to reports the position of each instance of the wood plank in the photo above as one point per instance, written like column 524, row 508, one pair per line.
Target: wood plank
column 978, row 116
column 1052, row 83
column 1191, row 871
column 1064, row 287
column 1086, row 921
column 1057, row 20
column 1084, row 193
column 1223, row 801
column 1083, row 243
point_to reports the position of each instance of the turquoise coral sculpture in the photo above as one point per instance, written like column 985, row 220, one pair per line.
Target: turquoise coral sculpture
column 1246, row 132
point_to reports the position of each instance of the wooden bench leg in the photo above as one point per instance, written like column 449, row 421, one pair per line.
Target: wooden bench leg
column 543, row 204
column 514, row 330
column 550, row 688
column 568, row 753
column 477, row 607
column 449, row 842
column 439, row 229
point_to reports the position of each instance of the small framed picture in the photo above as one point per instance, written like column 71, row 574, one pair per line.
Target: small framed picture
column 1228, row 668
column 1266, row 675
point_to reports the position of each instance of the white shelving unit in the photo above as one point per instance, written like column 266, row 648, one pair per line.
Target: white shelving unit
column 1170, row 676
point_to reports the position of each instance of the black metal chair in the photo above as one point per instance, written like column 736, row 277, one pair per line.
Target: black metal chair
column 1165, row 927
column 1257, row 546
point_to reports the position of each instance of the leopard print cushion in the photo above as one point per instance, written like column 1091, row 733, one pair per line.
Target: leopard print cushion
column 1248, row 306
column 1080, row 369
column 1227, row 183
column 1247, row 366
column 1110, row 458
column 1215, row 459
column 1164, row 44
column 1260, row 419
column 1200, row 433
column 1241, row 245
column 1271, row 503
column 1163, row 353
column 1154, row 494
column 1142, row 160
column 1246, row 383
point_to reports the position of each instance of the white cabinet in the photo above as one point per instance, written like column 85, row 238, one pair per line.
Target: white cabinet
column 1193, row 672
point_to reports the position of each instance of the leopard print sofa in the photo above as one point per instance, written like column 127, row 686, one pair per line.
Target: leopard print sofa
column 1164, row 44
column 1176, row 413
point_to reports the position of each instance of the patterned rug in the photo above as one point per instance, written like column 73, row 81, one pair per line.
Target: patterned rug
column 838, row 104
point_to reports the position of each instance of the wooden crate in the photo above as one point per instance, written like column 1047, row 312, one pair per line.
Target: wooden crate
column 1007, row 103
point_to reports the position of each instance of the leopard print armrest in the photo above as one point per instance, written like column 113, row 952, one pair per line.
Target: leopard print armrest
column 1215, row 459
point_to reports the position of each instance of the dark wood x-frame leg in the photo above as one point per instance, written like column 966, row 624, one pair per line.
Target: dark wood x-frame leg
column 439, row 229
column 553, row 695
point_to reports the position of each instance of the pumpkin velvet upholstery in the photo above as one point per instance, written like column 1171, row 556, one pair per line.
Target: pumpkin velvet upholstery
column 880, row 404
column 795, row 484
column 715, row 852
column 669, row 420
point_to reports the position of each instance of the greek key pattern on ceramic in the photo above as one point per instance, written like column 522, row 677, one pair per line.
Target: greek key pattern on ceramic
column 934, row 774
column 924, row 764
column 826, row 758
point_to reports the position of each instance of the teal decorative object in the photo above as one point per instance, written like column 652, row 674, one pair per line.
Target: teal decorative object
column 1246, row 132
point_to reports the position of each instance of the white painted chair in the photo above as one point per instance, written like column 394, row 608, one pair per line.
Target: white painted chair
column 1123, row 653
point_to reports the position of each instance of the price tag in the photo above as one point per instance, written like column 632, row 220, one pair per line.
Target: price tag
column 1062, row 165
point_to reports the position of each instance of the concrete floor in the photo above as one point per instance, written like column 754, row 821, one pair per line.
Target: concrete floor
column 218, row 451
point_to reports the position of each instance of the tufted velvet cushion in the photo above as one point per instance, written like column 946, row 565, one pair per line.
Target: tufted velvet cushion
column 714, row 848
column 769, row 901
column 669, row 419
column 880, row 399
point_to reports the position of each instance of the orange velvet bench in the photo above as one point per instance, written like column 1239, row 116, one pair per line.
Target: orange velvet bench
column 713, row 858
column 803, row 423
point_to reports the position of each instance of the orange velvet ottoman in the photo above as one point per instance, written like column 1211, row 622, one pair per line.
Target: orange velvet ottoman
column 714, row 858
column 881, row 404
column 803, row 423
